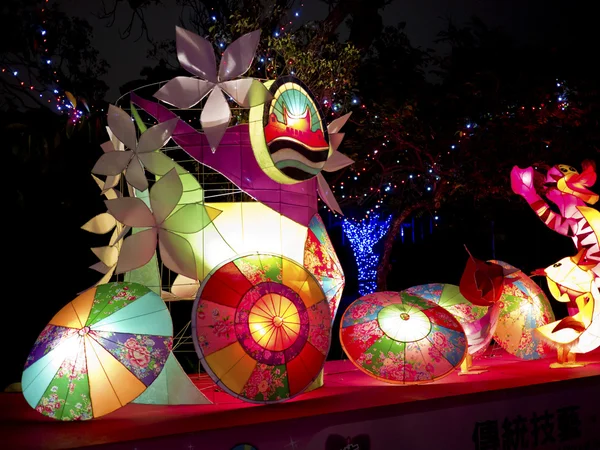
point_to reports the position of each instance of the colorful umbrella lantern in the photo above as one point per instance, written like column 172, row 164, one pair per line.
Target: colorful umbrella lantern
column 262, row 327
column 98, row 353
column 402, row 339
column 523, row 308
column 448, row 296
column 472, row 318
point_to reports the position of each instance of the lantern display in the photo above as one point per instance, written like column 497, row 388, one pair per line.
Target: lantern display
column 262, row 327
column 402, row 339
column 98, row 353
column 523, row 308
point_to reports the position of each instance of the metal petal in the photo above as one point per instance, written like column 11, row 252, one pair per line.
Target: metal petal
column 116, row 143
column 107, row 146
column 336, row 125
column 335, row 139
column 137, row 250
column 136, row 176
column 247, row 92
column 185, row 288
column 116, row 238
column 100, row 224
column 177, row 254
column 101, row 267
column 111, row 182
column 337, row 161
column 122, row 126
column 157, row 136
column 238, row 56
column 157, row 162
column 112, row 163
column 130, row 211
column 165, row 195
column 184, row 92
column 215, row 118
column 196, row 54
column 108, row 255
column 326, row 195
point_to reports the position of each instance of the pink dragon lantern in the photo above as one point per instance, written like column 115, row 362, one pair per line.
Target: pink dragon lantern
column 569, row 191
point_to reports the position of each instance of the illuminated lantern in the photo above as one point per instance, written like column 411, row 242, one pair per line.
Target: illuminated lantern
column 523, row 308
column 289, row 136
column 402, row 339
column 272, row 166
column 262, row 327
column 568, row 190
column 579, row 333
column 98, row 353
column 448, row 296
column 474, row 319
column 321, row 260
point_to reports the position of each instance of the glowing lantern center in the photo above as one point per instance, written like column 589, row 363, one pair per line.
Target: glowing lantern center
column 274, row 322
column 404, row 322
column 83, row 331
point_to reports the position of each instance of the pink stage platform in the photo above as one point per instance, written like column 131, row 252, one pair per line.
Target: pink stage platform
column 515, row 405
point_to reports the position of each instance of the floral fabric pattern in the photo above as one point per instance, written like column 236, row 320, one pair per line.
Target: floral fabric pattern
column 144, row 355
column 422, row 358
column 214, row 326
column 319, row 333
column 448, row 297
column 268, row 325
column 321, row 260
column 260, row 268
column 68, row 394
column 50, row 338
column 358, row 338
column 267, row 383
column 360, row 312
column 317, row 227
column 111, row 297
column 523, row 308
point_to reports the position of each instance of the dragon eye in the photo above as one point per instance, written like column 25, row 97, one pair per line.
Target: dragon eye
column 557, row 265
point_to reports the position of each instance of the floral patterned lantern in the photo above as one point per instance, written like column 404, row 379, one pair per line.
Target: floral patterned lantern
column 262, row 327
column 99, row 352
column 402, row 339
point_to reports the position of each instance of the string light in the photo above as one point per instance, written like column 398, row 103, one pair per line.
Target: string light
column 62, row 102
column 363, row 237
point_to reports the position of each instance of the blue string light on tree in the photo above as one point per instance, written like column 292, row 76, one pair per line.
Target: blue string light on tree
column 363, row 237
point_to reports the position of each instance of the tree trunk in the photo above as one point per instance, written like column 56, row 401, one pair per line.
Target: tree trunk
column 385, row 266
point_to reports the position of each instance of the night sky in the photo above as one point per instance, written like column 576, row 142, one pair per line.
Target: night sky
column 531, row 21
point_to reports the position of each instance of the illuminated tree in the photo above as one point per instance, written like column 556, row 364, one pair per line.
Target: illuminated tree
column 363, row 236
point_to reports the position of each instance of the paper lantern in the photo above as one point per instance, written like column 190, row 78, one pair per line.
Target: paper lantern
column 448, row 296
column 568, row 190
column 523, row 308
column 98, row 353
column 579, row 333
column 288, row 135
column 321, row 260
column 262, row 327
column 402, row 339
